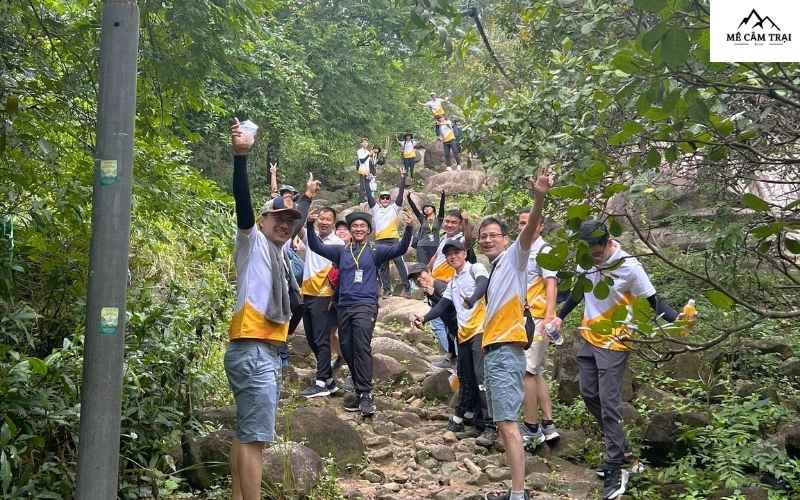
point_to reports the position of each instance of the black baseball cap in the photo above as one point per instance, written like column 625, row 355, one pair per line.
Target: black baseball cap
column 416, row 269
column 593, row 232
column 452, row 245
column 286, row 188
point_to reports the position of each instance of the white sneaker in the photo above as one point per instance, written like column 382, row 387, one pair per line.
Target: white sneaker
column 449, row 169
column 550, row 432
column 458, row 167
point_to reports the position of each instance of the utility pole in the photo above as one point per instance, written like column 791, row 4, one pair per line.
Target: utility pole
column 101, row 391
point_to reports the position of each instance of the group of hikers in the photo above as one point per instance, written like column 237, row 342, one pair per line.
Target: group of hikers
column 494, row 323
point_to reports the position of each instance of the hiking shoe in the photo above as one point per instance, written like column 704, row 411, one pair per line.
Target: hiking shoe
column 443, row 363
column 317, row 390
column 487, row 438
column 550, row 432
column 529, row 438
column 454, row 426
column 351, row 402
column 367, row 405
column 614, row 483
column 503, row 495
column 636, row 466
column 332, row 387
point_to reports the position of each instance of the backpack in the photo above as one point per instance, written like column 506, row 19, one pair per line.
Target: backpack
column 297, row 265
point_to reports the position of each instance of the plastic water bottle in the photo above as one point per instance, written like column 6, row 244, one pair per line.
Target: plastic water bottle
column 554, row 334
column 689, row 317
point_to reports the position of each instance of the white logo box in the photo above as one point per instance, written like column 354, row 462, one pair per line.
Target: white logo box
column 755, row 31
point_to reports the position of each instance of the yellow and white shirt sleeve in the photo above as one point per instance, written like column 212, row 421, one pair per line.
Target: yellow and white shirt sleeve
column 630, row 282
column 505, row 321
column 441, row 270
column 253, row 285
column 537, row 298
column 470, row 320
column 316, row 269
column 386, row 221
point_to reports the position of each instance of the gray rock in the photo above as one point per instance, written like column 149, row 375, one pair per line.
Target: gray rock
column 688, row 366
column 406, row 419
column 437, row 386
column 401, row 352
column 373, row 475
column 791, row 367
column 293, row 466
column 749, row 493
column 383, row 455
column 661, row 439
column 458, row 182
column 570, row 445
column 769, row 346
column 323, row 431
column 298, row 345
column 498, row 473
column 630, row 414
column 565, row 370
column 792, row 441
column 443, row 453
column 387, row 369
column 224, row 416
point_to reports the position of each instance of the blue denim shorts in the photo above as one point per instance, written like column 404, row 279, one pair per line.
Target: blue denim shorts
column 254, row 373
column 503, row 369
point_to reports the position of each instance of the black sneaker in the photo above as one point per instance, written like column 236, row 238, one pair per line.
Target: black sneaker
column 332, row 387
column 367, row 405
column 316, row 390
column 454, row 426
column 614, row 483
column 351, row 402
column 632, row 464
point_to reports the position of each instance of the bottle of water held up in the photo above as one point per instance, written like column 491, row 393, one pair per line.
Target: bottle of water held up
column 553, row 333
column 689, row 317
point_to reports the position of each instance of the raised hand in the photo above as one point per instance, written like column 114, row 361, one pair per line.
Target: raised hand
column 543, row 181
column 241, row 142
column 273, row 168
column 406, row 218
column 312, row 186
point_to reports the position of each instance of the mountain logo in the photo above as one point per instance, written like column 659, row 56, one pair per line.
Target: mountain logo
column 760, row 24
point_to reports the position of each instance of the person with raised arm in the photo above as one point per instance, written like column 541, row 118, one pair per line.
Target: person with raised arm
column 386, row 217
column 430, row 226
column 408, row 149
column 505, row 335
column 357, row 302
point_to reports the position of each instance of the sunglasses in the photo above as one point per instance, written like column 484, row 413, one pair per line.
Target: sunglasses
column 384, row 197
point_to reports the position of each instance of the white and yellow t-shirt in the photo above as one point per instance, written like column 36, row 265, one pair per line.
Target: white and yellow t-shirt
column 408, row 149
column 316, row 269
column 470, row 320
column 435, row 105
column 537, row 298
column 630, row 282
column 441, row 270
column 446, row 132
column 253, row 286
column 386, row 221
column 505, row 320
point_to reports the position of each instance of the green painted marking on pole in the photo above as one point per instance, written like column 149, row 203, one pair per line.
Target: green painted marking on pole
column 108, row 172
column 109, row 320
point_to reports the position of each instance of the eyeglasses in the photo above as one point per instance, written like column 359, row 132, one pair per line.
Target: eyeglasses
column 490, row 236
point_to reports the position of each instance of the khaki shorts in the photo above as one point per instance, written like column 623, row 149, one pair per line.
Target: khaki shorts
column 536, row 354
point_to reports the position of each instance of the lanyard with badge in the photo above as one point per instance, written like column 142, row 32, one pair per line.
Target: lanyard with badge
column 359, row 275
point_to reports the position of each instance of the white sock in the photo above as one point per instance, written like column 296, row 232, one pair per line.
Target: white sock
column 320, row 383
column 469, row 415
column 517, row 495
column 457, row 419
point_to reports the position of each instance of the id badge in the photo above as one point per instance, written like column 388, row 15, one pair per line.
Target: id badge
column 430, row 237
column 359, row 276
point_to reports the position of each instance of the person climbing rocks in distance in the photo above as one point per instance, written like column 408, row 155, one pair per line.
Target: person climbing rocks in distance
column 386, row 216
column 445, row 133
column 357, row 303
column 408, row 150
column 435, row 105
column 505, row 335
column 603, row 357
column 430, row 220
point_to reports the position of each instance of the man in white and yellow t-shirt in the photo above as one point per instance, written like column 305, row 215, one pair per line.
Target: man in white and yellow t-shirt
column 318, row 315
column 542, row 290
column 444, row 129
column 465, row 292
column 504, row 334
column 603, row 355
column 386, row 222
column 435, row 105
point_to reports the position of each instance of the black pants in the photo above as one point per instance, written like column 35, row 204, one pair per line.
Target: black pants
column 451, row 323
column 356, row 324
column 399, row 263
column 297, row 315
column 409, row 163
column 471, row 394
column 318, row 319
column 451, row 147
column 424, row 253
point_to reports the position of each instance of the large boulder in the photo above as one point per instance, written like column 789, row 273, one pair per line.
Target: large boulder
column 434, row 155
column 224, row 416
column 202, row 459
column 565, row 369
column 323, row 431
column 458, row 182
column 387, row 369
column 436, row 386
column 770, row 346
column 402, row 352
column 401, row 309
column 687, row 367
column 791, row 367
column 291, row 469
column 661, row 438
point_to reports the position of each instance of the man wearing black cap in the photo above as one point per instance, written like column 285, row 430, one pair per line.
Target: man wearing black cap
column 465, row 293
column 357, row 303
column 603, row 355
column 433, row 290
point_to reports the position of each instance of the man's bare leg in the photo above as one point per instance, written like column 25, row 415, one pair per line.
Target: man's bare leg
column 515, row 454
column 246, row 468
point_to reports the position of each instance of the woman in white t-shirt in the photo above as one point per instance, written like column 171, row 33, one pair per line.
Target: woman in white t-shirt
column 408, row 149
